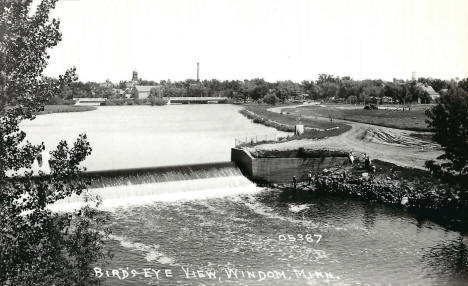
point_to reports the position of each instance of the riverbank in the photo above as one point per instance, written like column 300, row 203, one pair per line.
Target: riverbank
column 48, row 109
column 313, row 129
column 410, row 188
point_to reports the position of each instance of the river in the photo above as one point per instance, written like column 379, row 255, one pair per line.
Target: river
column 223, row 229
column 148, row 136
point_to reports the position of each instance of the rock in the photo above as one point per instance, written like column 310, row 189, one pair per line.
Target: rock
column 404, row 201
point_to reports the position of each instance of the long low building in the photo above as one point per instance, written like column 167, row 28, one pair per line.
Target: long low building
column 188, row 100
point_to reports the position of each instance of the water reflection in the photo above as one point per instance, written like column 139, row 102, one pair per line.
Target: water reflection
column 449, row 257
column 369, row 216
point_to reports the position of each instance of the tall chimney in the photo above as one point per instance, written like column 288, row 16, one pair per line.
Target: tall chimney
column 198, row 71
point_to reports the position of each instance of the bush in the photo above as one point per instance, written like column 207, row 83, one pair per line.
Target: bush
column 139, row 101
column 55, row 101
column 271, row 99
column 158, row 101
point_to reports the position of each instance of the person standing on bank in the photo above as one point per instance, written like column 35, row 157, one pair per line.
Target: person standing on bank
column 309, row 176
column 294, row 181
column 351, row 158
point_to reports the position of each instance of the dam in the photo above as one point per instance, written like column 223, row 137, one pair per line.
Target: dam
column 198, row 217
column 118, row 188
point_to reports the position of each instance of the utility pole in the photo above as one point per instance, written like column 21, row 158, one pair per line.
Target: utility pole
column 198, row 72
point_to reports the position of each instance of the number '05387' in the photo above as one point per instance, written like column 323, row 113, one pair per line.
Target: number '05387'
column 300, row 237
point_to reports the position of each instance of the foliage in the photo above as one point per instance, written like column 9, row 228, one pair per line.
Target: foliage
column 326, row 87
column 311, row 89
column 158, row 101
column 134, row 93
column 271, row 99
column 38, row 247
column 449, row 119
column 463, row 84
column 286, row 90
column 153, row 93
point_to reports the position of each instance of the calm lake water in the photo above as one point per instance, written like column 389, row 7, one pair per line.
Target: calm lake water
column 146, row 136
column 226, row 230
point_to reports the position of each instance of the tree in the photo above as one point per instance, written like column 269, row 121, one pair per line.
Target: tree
column 153, row 93
column 393, row 90
column 246, row 89
column 38, row 247
column 312, row 90
column 463, row 84
column 287, row 89
column 134, row 93
column 449, row 119
column 323, row 78
column 329, row 89
column 122, row 84
column 270, row 99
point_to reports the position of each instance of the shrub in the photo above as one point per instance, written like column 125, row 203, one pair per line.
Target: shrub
column 55, row 101
column 158, row 101
column 139, row 101
column 271, row 99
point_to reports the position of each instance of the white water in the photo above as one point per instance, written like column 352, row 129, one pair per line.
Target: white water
column 142, row 194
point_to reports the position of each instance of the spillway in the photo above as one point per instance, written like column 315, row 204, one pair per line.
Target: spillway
column 117, row 188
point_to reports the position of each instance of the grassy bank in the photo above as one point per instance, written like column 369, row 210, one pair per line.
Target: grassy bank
column 65, row 108
column 409, row 120
column 314, row 129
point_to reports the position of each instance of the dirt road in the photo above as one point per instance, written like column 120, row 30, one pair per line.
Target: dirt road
column 388, row 144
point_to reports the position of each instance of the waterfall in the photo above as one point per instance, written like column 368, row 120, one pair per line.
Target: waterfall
column 120, row 188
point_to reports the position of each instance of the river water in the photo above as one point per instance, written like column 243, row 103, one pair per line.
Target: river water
column 221, row 228
column 148, row 136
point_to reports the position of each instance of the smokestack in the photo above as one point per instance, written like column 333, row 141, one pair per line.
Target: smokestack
column 198, row 71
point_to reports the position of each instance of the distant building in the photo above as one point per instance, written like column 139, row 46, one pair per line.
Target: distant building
column 427, row 88
column 135, row 76
column 135, row 81
column 144, row 90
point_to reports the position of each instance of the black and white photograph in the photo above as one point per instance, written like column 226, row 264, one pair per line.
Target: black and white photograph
column 233, row 142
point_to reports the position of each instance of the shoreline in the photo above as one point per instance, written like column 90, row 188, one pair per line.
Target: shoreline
column 392, row 185
column 50, row 109
column 313, row 129
column 398, row 182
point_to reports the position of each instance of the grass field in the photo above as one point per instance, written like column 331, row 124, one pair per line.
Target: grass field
column 65, row 108
column 409, row 120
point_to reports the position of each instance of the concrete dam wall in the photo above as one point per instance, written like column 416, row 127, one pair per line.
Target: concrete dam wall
column 281, row 170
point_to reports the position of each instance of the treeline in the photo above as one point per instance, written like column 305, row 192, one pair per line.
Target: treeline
column 326, row 87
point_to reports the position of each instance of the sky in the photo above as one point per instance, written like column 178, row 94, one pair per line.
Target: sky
column 270, row 39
